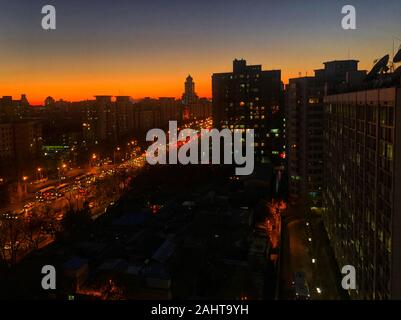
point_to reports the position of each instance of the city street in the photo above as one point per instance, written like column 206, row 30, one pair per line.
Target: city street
column 98, row 186
column 304, row 251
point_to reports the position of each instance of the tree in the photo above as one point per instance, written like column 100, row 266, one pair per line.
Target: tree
column 76, row 222
column 4, row 195
column 33, row 227
column 11, row 237
column 72, row 201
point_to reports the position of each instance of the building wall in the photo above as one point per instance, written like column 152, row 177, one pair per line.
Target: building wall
column 304, row 124
column 249, row 98
column 20, row 145
column 7, row 151
column 362, row 185
column 396, row 225
column 107, row 124
column 304, row 120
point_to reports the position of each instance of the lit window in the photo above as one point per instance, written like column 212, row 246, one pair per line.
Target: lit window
column 313, row 100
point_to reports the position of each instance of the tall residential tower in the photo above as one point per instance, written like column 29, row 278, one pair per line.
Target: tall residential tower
column 251, row 98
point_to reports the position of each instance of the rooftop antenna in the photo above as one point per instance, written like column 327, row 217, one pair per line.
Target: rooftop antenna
column 380, row 67
column 396, row 55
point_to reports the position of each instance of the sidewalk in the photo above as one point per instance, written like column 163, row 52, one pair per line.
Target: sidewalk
column 327, row 275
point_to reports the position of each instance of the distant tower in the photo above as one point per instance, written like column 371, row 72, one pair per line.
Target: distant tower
column 24, row 100
column 189, row 96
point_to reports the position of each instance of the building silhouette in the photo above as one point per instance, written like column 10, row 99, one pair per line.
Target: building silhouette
column 362, row 189
column 251, row 98
column 195, row 108
column 189, row 97
column 304, row 124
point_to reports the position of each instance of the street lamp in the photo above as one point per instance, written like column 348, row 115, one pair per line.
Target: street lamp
column 92, row 160
column 39, row 170
column 114, row 153
column 63, row 167
column 25, row 179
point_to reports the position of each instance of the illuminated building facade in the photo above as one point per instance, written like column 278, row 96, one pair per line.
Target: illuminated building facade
column 304, row 124
column 362, row 187
column 250, row 98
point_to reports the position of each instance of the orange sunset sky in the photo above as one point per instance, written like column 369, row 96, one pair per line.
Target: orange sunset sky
column 142, row 48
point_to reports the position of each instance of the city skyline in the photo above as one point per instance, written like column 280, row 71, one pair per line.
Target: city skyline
column 141, row 49
column 200, row 150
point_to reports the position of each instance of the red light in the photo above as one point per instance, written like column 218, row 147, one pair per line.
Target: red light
column 282, row 155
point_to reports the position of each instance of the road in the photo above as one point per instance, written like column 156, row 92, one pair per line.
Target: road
column 304, row 243
column 295, row 256
column 96, row 185
column 75, row 194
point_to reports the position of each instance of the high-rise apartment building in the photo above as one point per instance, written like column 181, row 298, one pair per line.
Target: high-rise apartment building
column 362, row 187
column 6, row 144
column 304, row 126
column 13, row 110
column 106, row 128
column 251, row 98
column 124, row 115
column 20, row 145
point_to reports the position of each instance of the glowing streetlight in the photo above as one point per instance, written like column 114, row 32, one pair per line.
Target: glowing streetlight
column 114, row 154
column 313, row 260
column 25, row 178
column 319, row 291
column 39, row 171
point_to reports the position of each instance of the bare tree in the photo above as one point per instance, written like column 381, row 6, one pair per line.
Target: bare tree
column 11, row 237
column 72, row 201
column 34, row 227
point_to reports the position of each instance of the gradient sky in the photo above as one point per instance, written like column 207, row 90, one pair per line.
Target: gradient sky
column 147, row 48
